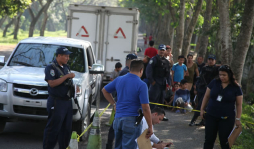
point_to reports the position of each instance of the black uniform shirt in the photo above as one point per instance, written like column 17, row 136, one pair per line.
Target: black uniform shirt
column 52, row 74
column 225, row 107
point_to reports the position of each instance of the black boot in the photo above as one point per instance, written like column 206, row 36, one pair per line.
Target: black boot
column 202, row 123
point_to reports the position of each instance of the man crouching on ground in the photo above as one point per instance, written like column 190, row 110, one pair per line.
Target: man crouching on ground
column 132, row 94
column 157, row 116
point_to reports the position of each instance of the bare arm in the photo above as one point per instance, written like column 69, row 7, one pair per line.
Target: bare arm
column 148, row 117
column 205, row 101
column 54, row 83
column 109, row 97
column 197, row 72
column 239, row 101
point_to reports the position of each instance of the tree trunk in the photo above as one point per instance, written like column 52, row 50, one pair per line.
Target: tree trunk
column 217, row 46
column 206, row 28
column 2, row 20
column 250, row 82
column 7, row 26
column 197, row 48
column 243, row 40
column 35, row 18
column 180, row 30
column 17, row 25
column 44, row 23
column 188, row 17
column 225, row 28
column 190, row 30
column 170, row 33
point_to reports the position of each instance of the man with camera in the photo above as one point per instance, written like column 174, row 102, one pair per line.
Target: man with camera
column 59, row 104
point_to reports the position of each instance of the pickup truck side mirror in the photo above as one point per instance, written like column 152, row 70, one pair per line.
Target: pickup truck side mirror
column 96, row 69
column 2, row 61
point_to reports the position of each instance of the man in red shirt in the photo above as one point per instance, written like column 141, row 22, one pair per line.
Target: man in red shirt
column 151, row 51
column 150, row 37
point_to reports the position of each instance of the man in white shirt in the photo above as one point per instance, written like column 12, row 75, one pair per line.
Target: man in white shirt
column 157, row 116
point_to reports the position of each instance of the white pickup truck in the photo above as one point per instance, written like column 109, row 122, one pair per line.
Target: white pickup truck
column 112, row 31
column 23, row 90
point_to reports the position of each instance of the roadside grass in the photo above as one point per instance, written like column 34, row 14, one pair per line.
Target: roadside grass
column 246, row 139
column 8, row 40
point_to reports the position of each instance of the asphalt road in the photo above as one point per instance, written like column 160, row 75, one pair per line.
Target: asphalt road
column 29, row 135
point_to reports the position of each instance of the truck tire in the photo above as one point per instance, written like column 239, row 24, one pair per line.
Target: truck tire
column 2, row 125
column 81, row 125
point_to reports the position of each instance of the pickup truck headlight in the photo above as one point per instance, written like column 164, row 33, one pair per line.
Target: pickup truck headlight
column 78, row 90
column 3, row 86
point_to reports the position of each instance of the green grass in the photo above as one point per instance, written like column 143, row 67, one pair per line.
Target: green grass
column 246, row 139
column 8, row 40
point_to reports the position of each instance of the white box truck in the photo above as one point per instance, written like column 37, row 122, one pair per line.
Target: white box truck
column 112, row 31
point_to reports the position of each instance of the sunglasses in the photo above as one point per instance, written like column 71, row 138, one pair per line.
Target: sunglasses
column 224, row 67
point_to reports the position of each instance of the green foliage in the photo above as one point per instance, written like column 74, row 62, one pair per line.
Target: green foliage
column 12, row 7
column 246, row 139
column 24, row 34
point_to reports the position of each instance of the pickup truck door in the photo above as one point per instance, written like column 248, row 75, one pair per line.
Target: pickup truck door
column 91, row 61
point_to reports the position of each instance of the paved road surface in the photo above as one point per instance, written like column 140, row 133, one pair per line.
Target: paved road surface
column 29, row 135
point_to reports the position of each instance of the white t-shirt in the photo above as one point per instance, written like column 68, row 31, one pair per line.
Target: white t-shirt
column 153, row 138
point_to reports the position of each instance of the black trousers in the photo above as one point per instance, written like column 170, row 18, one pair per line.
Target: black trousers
column 215, row 125
column 111, row 137
column 156, row 95
column 200, row 100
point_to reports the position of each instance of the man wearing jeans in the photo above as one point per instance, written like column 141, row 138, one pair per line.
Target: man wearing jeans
column 132, row 94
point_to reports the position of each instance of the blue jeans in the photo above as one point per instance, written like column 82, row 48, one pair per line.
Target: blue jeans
column 126, row 132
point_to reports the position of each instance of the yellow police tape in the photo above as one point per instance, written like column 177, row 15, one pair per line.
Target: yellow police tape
column 150, row 103
column 91, row 123
column 186, row 109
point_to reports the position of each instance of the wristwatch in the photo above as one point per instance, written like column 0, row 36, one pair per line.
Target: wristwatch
column 238, row 119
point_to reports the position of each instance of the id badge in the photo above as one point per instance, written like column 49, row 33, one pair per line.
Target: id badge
column 219, row 98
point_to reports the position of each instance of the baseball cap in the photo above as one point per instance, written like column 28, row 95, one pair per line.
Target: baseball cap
column 212, row 56
column 162, row 47
column 131, row 56
column 63, row 50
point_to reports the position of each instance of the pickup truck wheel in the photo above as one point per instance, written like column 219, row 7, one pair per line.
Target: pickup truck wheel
column 2, row 125
column 81, row 125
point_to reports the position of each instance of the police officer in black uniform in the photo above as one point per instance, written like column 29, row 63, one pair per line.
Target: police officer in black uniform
column 207, row 74
column 158, row 74
column 59, row 104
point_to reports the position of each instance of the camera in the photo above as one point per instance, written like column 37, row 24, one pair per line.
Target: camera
column 68, row 82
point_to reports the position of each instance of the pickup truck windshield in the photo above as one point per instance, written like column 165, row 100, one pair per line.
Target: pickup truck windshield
column 40, row 55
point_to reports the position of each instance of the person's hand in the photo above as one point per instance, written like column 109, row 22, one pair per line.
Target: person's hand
column 149, row 132
column 237, row 123
column 115, row 107
column 168, row 144
column 153, row 83
column 186, row 104
column 70, row 75
column 160, row 145
column 202, row 112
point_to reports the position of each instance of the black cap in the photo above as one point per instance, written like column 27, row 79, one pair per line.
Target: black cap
column 131, row 56
column 63, row 50
column 211, row 56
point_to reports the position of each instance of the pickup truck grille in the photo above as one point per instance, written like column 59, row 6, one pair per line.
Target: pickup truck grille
column 34, row 110
column 30, row 91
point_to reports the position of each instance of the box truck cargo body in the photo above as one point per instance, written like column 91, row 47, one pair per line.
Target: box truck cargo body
column 113, row 32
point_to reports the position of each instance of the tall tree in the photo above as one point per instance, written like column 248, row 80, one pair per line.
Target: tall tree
column 243, row 40
column 206, row 27
column 180, row 30
column 189, row 16
column 7, row 26
column 44, row 21
column 35, row 18
column 225, row 28
column 2, row 20
column 17, row 25
column 12, row 7
column 190, row 30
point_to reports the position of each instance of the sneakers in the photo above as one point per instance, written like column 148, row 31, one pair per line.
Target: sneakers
column 192, row 124
column 165, row 119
